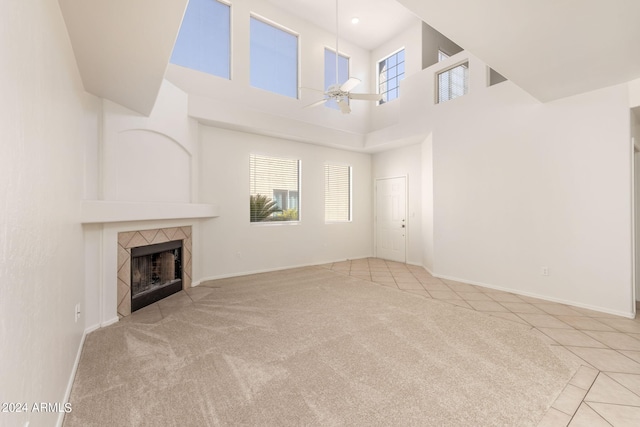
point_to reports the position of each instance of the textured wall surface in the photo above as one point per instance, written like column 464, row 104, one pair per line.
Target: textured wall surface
column 45, row 119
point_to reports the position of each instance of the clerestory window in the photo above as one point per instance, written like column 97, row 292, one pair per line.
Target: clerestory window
column 453, row 82
column 204, row 40
column 273, row 58
column 390, row 73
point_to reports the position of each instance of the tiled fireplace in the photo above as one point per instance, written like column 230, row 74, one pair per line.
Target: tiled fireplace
column 134, row 239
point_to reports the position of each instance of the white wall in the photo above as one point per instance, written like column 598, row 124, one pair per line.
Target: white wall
column 511, row 185
column 428, row 230
column 519, row 185
column 635, row 134
column 387, row 114
column 231, row 245
column 406, row 161
column 149, row 158
column 45, row 121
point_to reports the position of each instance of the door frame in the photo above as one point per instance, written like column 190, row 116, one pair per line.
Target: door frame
column 406, row 213
column 635, row 166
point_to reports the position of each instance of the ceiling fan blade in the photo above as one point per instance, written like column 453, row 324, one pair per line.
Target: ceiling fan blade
column 314, row 104
column 344, row 106
column 366, row 96
column 349, row 84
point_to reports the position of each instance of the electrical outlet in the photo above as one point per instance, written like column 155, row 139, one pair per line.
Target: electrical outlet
column 544, row 271
column 77, row 312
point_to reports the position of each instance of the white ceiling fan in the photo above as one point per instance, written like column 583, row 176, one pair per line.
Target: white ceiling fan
column 341, row 93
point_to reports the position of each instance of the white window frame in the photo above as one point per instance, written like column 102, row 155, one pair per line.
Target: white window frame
column 377, row 73
column 231, row 38
column 299, row 190
column 446, row 70
column 298, row 51
column 442, row 55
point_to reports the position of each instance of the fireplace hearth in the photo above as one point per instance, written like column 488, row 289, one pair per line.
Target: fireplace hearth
column 156, row 272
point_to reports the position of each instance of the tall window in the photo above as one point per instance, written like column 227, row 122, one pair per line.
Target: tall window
column 275, row 188
column 453, row 82
column 330, row 73
column 273, row 59
column 390, row 73
column 203, row 43
column 337, row 193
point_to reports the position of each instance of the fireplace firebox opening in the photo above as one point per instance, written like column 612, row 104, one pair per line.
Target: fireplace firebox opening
column 156, row 272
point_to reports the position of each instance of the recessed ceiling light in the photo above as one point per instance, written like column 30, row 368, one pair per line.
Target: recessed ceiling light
column 355, row 20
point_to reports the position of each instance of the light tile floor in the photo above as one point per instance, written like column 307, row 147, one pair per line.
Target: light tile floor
column 606, row 389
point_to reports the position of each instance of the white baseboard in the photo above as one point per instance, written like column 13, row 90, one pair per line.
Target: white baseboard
column 629, row 315
column 109, row 322
column 417, row 264
column 268, row 270
column 92, row 328
column 72, row 377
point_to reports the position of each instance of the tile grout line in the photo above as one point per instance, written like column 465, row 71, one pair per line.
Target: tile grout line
column 537, row 328
column 569, row 327
column 583, row 401
column 619, row 383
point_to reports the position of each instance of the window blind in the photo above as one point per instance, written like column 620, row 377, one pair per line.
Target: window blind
column 274, row 188
column 453, row 82
column 337, row 193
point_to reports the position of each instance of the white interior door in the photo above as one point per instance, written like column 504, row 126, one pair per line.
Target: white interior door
column 391, row 200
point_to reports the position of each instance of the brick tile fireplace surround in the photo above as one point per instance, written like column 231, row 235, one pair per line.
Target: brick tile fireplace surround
column 131, row 239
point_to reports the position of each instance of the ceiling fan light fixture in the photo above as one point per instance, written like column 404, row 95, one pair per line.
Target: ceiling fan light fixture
column 341, row 93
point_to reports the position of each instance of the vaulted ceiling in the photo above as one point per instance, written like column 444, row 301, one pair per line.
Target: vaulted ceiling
column 122, row 47
column 550, row 48
column 379, row 20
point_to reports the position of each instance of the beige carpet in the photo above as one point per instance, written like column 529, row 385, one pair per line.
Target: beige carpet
column 313, row 347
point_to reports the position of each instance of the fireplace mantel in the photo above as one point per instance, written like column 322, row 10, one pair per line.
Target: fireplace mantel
column 102, row 211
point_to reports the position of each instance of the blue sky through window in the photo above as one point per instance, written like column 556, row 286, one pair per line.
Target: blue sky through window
column 330, row 73
column 273, row 59
column 203, row 43
column 390, row 73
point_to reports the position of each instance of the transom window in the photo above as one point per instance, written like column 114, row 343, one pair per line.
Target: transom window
column 273, row 59
column 453, row 82
column 337, row 193
column 390, row 73
column 204, row 40
column 275, row 188
column 330, row 73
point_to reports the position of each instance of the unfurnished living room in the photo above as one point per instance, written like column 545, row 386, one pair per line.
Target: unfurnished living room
column 319, row 213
